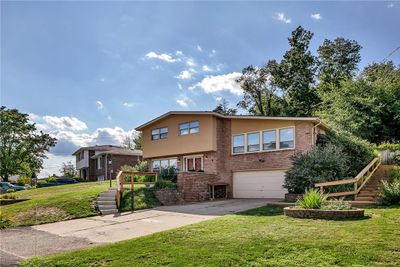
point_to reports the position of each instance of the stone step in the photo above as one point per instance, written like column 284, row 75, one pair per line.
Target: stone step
column 108, row 193
column 367, row 194
column 109, row 211
column 358, row 203
column 365, row 198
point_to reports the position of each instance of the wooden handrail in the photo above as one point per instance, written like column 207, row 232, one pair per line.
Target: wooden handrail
column 368, row 170
column 120, row 182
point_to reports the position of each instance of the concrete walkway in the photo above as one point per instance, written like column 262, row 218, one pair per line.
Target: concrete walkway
column 26, row 242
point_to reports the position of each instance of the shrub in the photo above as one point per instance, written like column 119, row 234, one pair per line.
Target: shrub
column 388, row 146
column 358, row 152
column 23, row 180
column 336, row 204
column 4, row 222
column 8, row 196
column 394, row 174
column 160, row 184
column 169, row 174
column 396, row 159
column 322, row 164
column 390, row 194
column 51, row 179
column 144, row 198
column 141, row 166
column 312, row 199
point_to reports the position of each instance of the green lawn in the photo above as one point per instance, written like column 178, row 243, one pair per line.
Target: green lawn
column 58, row 203
column 259, row 237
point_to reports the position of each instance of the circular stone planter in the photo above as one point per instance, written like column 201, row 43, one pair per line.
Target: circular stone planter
column 323, row 214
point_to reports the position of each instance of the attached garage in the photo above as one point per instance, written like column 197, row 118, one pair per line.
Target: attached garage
column 259, row 184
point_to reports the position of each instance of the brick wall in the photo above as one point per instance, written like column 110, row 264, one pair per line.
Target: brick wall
column 194, row 185
column 117, row 161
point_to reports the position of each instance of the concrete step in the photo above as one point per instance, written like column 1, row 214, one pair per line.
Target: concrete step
column 105, row 202
column 367, row 194
column 108, row 193
column 107, row 207
column 106, row 198
column 109, row 211
column 358, row 203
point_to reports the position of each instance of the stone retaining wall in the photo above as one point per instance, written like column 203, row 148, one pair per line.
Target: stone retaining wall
column 292, row 197
column 323, row 214
column 169, row 196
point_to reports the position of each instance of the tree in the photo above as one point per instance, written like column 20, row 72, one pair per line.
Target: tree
column 369, row 106
column 68, row 169
column 296, row 75
column 133, row 141
column 260, row 93
column 224, row 109
column 22, row 147
column 338, row 61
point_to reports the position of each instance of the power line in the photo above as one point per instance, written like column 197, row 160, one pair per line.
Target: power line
column 391, row 53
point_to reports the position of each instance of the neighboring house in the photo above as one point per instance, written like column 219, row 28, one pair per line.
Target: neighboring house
column 245, row 155
column 102, row 162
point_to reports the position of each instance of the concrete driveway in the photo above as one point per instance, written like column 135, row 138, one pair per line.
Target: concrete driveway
column 25, row 242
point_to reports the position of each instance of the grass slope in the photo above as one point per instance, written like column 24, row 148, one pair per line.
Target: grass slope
column 51, row 204
column 259, row 237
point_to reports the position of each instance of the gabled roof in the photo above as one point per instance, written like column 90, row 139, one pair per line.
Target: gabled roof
column 312, row 119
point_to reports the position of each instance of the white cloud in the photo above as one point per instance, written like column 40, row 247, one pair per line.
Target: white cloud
column 199, row 48
column 71, row 123
column 390, row 5
column 99, row 104
column 128, row 105
column 185, row 74
column 182, row 102
column 179, row 53
column 316, row 16
column 218, row 83
column 218, row 98
column 190, row 62
column 163, row 57
column 180, row 86
column 206, row 68
column 282, row 17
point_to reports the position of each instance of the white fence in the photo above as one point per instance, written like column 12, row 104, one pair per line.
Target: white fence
column 388, row 155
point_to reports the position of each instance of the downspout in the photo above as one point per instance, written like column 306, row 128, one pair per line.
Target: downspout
column 313, row 131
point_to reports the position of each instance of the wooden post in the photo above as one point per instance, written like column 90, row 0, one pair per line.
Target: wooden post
column 132, row 195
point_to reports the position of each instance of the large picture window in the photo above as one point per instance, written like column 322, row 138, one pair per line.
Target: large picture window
column 253, row 142
column 286, row 138
column 238, row 143
column 159, row 164
column 269, row 140
column 160, row 133
column 189, row 128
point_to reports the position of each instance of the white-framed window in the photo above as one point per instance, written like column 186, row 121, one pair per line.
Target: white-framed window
column 286, row 138
column 159, row 164
column 253, row 142
column 193, row 163
column 189, row 128
column 269, row 140
column 99, row 163
column 160, row 133
column 238, row 143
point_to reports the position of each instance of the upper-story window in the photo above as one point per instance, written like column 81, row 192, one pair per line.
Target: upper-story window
column 253, row 142
column 189, row 128
column 269, row 140
column 238, row 143
column 286, row 138
column 80, row 156
column 160, row 133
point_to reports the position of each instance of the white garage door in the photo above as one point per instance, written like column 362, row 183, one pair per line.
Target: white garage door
column 259, row 184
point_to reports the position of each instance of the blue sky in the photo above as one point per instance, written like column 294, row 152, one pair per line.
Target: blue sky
column 90, row 72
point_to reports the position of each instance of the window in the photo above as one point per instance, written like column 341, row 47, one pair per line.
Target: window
column 160, row 133
column 99, row 163
column 159, row 164
column 238, row 143
column 286, row 138
column 194, row 163
column 189, row 128
column 100, row 178
column 269, row 140
column 253, row 142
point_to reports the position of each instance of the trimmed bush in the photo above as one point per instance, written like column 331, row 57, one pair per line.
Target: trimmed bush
column 322, row 164
column 161, row 183
column 51, row 179
column 312, row 199
column 169, row 174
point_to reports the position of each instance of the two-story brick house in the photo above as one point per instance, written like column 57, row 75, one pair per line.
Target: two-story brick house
column 247, row 154
column 99, row 163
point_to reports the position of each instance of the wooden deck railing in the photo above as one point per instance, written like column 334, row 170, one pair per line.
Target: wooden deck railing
column 358, row 182
column 121, row 182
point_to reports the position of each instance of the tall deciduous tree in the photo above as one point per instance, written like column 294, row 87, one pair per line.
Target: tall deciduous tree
column 296, row 75
column 338, row 61
column 224, row 109
column 134, row 141
column 22, row 147
column 68, row 169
